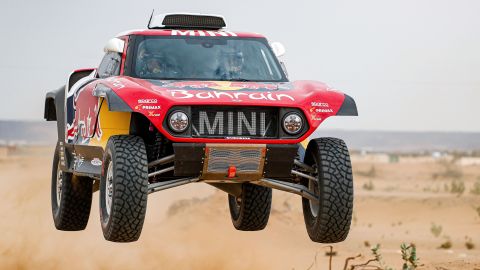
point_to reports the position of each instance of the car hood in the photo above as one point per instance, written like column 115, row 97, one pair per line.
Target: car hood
column 154, row 98
column 286, row 94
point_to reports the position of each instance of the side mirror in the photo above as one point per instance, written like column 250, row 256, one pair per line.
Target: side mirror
column 114, row 45
column 278, row 48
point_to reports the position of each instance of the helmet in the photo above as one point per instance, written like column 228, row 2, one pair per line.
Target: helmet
column 233, row 60
column 154, row 64
column 150, row 62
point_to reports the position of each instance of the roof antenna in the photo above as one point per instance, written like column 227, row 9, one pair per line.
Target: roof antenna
column 150, row 21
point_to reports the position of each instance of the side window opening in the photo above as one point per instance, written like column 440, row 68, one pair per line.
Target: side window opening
column 110, row 65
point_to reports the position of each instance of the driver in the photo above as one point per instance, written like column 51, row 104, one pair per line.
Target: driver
column 152, row 65
column 232, row 66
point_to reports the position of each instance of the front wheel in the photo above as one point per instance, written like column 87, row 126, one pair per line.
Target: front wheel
column 328, row 220
column 123, row 188
column 251, row 210
column 71, row 198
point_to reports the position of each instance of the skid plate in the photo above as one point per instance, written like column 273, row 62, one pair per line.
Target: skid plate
column 248, row 159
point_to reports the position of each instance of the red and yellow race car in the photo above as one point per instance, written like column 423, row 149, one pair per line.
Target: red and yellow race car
column 187, row 101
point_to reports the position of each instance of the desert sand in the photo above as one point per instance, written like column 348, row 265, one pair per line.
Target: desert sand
column 189, row 227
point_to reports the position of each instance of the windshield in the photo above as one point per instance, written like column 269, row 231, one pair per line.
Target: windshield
column 205, row 58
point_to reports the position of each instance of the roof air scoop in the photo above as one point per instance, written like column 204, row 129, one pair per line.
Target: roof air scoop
column 186, row 21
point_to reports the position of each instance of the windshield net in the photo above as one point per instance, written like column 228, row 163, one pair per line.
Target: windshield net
column 205, row 58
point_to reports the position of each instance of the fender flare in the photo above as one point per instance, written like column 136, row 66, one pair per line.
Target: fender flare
column 114, row 102
column 348, row 108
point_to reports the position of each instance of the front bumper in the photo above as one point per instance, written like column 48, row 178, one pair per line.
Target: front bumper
column 214, row 162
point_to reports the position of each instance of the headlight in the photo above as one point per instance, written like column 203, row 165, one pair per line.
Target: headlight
column 292, row 123
column 178, row 121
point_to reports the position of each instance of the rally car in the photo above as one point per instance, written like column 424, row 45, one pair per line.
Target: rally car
column 187, row 101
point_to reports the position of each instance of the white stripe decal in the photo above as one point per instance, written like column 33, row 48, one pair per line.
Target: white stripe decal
column 202, row 33
column 182, row 33
column 211, row 33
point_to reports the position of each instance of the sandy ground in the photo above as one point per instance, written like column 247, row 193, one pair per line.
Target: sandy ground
column 190, row 228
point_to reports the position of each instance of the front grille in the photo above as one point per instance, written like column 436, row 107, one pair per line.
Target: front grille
column 234, row 122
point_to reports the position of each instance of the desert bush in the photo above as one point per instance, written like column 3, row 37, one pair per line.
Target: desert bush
column 368, row 186
column 476, row 188
column 374, row 263
column 446, row 245
column 455, row 187
column 469, row 243
column 478, row 210
column 450, row 170
column 436, row 230
column 409, row 257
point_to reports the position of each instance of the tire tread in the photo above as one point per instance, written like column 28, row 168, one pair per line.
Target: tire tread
column 254, row 210
column 336, row 199
column 129, row 204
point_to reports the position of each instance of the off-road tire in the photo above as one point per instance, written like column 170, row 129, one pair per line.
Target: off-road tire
column 72, row 211
column 123, row 222
column 335, row 186
column 252, row 210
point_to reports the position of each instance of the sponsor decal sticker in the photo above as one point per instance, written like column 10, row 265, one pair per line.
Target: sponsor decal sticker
column 323, row 110
column 148, row 101
column 77, row 160
column 153, row 114
column 319, row 104
column 148, row 107
column 96, row 162
column 225, row 86
column 235, row 96
column 237, row 138
column 116, row 83
column 317, row 108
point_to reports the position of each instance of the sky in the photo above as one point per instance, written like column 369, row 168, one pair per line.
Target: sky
column 411, row 65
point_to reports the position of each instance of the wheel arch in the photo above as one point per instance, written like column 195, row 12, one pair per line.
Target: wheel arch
column 307, row 155
column 54, row 110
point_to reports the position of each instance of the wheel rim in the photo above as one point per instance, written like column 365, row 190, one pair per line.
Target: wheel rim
column 109, row 188
column 235, row 204
column 238, row 202
column 313, row 187
column 59, row 185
